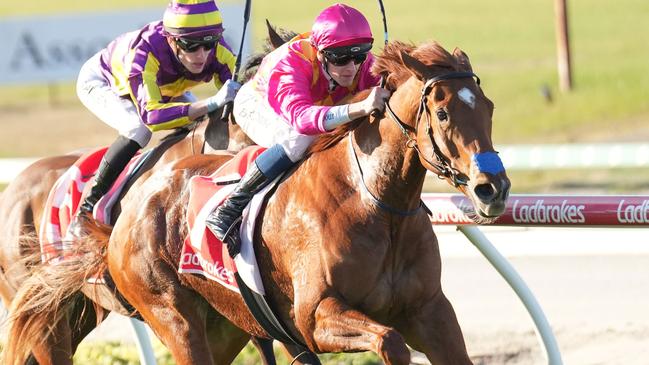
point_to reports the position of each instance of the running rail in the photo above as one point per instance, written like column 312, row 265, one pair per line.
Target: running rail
column 549, row 210
column 539, row 210
column 143, row 343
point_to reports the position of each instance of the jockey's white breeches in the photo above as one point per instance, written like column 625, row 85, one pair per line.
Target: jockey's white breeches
column 265, row 127
column 118, row 112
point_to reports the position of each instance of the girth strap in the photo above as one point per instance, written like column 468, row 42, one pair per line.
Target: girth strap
column 265, row 316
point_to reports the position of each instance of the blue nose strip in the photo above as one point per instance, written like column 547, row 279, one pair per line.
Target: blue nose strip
column 488, row 162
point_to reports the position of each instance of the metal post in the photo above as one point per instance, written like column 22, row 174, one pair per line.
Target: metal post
column 143, row 343
column 563, row 45
column 543, row 330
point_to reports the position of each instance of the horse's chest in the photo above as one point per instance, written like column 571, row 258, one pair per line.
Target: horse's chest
column 383, row 294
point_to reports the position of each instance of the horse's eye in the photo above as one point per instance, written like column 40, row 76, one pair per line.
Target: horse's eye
column 441, row 114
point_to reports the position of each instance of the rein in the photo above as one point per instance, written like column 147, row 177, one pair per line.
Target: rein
column 444, row 169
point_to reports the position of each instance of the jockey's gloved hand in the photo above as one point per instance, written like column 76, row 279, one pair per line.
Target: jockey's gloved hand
column 376, row 100
column 225, row 95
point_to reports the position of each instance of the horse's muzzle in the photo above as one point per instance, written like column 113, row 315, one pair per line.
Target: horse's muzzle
column 489, row 194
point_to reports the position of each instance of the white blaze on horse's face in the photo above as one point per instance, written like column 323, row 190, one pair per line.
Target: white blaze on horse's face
column 467, row 96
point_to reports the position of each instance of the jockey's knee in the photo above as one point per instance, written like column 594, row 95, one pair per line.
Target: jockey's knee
column 142, row 135
column 296, row 146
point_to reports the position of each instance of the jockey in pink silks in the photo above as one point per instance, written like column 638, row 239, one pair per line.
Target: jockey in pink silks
column 140, row 84
column 291, row 100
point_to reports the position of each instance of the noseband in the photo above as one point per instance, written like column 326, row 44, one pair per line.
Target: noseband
column 443, row 167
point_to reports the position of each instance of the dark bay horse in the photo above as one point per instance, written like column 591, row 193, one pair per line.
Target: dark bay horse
column 347, row 255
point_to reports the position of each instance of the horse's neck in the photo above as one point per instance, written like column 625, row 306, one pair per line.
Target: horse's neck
column 390, row 170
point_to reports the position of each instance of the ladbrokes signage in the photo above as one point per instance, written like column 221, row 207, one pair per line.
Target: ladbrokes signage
column 48, row 49
column 542, row 210
column 633, row 213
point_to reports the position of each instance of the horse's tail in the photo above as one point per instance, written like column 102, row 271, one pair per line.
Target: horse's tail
column 47, row 296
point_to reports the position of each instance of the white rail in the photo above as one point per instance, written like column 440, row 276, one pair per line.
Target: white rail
column 515, row 157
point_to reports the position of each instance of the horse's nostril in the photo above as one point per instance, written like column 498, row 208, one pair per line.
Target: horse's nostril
column 485, row 192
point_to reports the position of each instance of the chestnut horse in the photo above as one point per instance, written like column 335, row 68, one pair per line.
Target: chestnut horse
column 26, row 195
column 21, row 206
column 348, row 256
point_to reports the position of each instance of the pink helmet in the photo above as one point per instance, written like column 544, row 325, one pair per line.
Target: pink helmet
column 340, row 25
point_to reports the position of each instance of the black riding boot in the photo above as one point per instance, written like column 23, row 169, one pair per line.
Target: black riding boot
column 116, row 158
column 222, row 221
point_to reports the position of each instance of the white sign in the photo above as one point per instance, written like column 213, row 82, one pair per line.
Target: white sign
column 53, row 48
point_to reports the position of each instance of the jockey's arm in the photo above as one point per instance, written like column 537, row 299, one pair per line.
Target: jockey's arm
column 375, row 100
column 225, row 95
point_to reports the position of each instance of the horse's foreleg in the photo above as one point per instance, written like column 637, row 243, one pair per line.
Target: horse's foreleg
column 176, row 314
column 177, row 320
column 339, row 328
column 436, row 332
column 265, row 348
column 225, row 339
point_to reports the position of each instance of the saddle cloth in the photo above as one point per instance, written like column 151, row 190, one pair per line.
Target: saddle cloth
column 64, row 199
column 202, row 252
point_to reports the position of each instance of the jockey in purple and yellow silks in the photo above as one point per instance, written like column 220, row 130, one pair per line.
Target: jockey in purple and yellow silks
column 140, row 83
column 293, row 97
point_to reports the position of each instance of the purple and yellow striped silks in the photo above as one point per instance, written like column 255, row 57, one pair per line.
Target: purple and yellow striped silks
column 142, row 66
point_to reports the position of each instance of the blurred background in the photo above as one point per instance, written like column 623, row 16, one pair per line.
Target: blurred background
column 512, row 46
column 589, row 138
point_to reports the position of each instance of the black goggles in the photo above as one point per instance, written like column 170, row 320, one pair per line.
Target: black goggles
column 341, row 56
column 192, row 45
column 345, row 59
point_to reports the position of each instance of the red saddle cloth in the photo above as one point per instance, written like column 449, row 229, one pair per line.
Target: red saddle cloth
column 202, row 252
column 64, row 199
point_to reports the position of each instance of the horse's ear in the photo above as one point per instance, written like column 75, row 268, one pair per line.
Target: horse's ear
column 415, row 66
column 462, row 59
column 275, row 39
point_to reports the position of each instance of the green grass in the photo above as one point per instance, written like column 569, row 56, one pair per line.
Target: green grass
column 511, row 45
column 116, row 353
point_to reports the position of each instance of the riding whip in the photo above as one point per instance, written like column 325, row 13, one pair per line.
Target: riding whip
column 227, row 109
column 385, row 34
column 376, row 113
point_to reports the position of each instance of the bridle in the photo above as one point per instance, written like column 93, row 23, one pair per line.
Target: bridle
column 443, row 167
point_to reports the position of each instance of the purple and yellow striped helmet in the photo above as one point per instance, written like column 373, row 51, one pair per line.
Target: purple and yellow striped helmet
column 192, row 19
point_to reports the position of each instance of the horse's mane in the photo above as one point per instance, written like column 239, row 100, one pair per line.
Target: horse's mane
column 390, row 65
column 389, row 62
